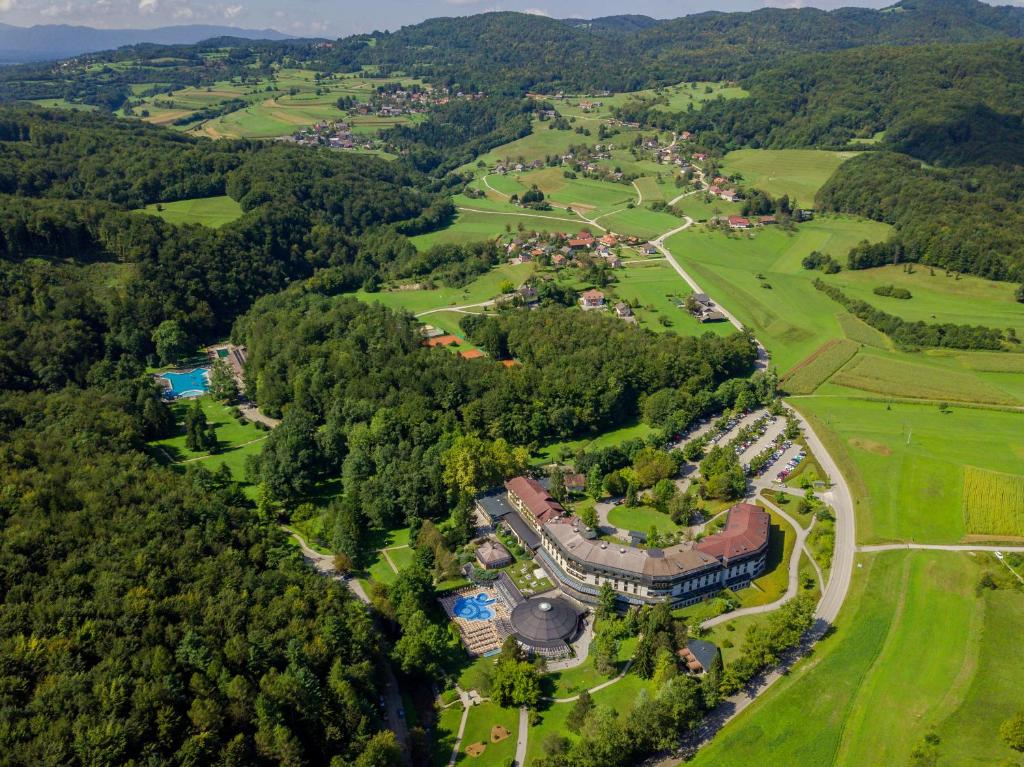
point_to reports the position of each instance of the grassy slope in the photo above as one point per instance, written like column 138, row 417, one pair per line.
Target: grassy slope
column 208, row 211
column 902, row 660
column 913, row 492
column 481, row 289
column 799, row 173
column 792, row 319
column 657, row 291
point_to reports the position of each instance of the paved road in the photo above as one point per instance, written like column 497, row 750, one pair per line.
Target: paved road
column 524, row 733
column 839, row 498
column 324, row 564
column 659, row 243
column 794, row 574
column 936, row 547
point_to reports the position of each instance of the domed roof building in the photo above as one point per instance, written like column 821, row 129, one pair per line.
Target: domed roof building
column 545, row 625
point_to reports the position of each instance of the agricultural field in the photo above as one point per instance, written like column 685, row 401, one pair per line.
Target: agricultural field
column 897, row 376
column 799, row 173
column 276, row 106
column 673, row 98
column 993, row 503
column 478, row 222
column 813, row 371
column 213, row 212
column 915, row 651
column 789, row 316
column 906, row 462
column 937, row 295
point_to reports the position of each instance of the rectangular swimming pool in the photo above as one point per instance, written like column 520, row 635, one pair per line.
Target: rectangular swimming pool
column 186, row 383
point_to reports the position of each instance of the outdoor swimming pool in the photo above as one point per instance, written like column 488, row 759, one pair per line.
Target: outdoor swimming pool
column 190, row 383
column 474, row 608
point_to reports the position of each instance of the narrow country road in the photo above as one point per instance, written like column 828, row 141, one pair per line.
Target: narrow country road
column 794, row 573
column 324, row 564
column 936, row 547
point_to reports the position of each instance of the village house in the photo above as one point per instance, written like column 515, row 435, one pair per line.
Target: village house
column 739, row 222
column 613, row 261
column 623, row 310
column 575, row 483
column 592, row 299
column 649, row 249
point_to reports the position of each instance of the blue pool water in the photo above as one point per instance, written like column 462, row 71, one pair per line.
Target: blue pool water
column 474, row 608
column 191, row 383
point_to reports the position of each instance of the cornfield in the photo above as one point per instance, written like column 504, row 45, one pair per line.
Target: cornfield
column 993, row 502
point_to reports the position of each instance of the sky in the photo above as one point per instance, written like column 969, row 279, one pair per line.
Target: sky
column 333, row 18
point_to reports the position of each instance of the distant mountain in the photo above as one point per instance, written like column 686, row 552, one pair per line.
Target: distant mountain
column 58, row 41
column 630, row 22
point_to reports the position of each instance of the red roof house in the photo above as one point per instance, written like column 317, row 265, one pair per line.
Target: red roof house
column 739, row 222
column 745, row 532
column 532, row 500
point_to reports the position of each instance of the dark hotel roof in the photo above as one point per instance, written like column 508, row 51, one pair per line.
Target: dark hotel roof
column 544, row 619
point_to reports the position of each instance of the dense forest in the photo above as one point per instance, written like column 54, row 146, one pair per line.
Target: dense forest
column 151, row 618
column 363, row 399
column 961, row 220
column 85, row 278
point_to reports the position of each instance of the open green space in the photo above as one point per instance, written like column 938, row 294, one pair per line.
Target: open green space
column 657, row 294
column 213, row 212
column 789, row 316
column 483, row 288
column 482, row 718
column 641, row 519
column 236, row 440
column 915, row 651
column 474, row 223
column 905, row 462
column 799, row 173
column 564, row 450
column 445, row 733
column 938, row 296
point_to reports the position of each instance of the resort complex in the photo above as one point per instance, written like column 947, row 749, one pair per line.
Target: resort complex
column 580, row 559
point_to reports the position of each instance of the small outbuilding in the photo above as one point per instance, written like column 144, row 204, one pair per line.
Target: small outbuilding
column 492, row 555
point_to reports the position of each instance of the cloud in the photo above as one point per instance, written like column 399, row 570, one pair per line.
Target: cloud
column 6, row 5
column 147, row 6
column 536, row 11
column 231, row 11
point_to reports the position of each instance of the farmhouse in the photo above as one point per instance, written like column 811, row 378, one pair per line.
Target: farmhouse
column 575, row 483
column 592, row 299
column 710, row 314
column 739, row 222
column 623, row 310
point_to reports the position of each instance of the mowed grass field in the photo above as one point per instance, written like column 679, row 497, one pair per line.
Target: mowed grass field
column 236, row 441
column 481, row 289
column 937, row 296
column 213, row 212
column 655, row 291
column 906, row 462
column 790, row 317
column 915, row 651
column 799, row 173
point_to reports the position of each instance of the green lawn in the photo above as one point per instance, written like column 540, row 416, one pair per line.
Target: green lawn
column 937, row 297
column 799, row 173
column 915, row 651
column 905, row 461
column 640, row 221
column 478, row 730
column 214, row 212
column 231, row 434
column 655, row 291
column 444, row 735
column 641, row 519
column 565, row 449
column 483, row 288
column 791, row 318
